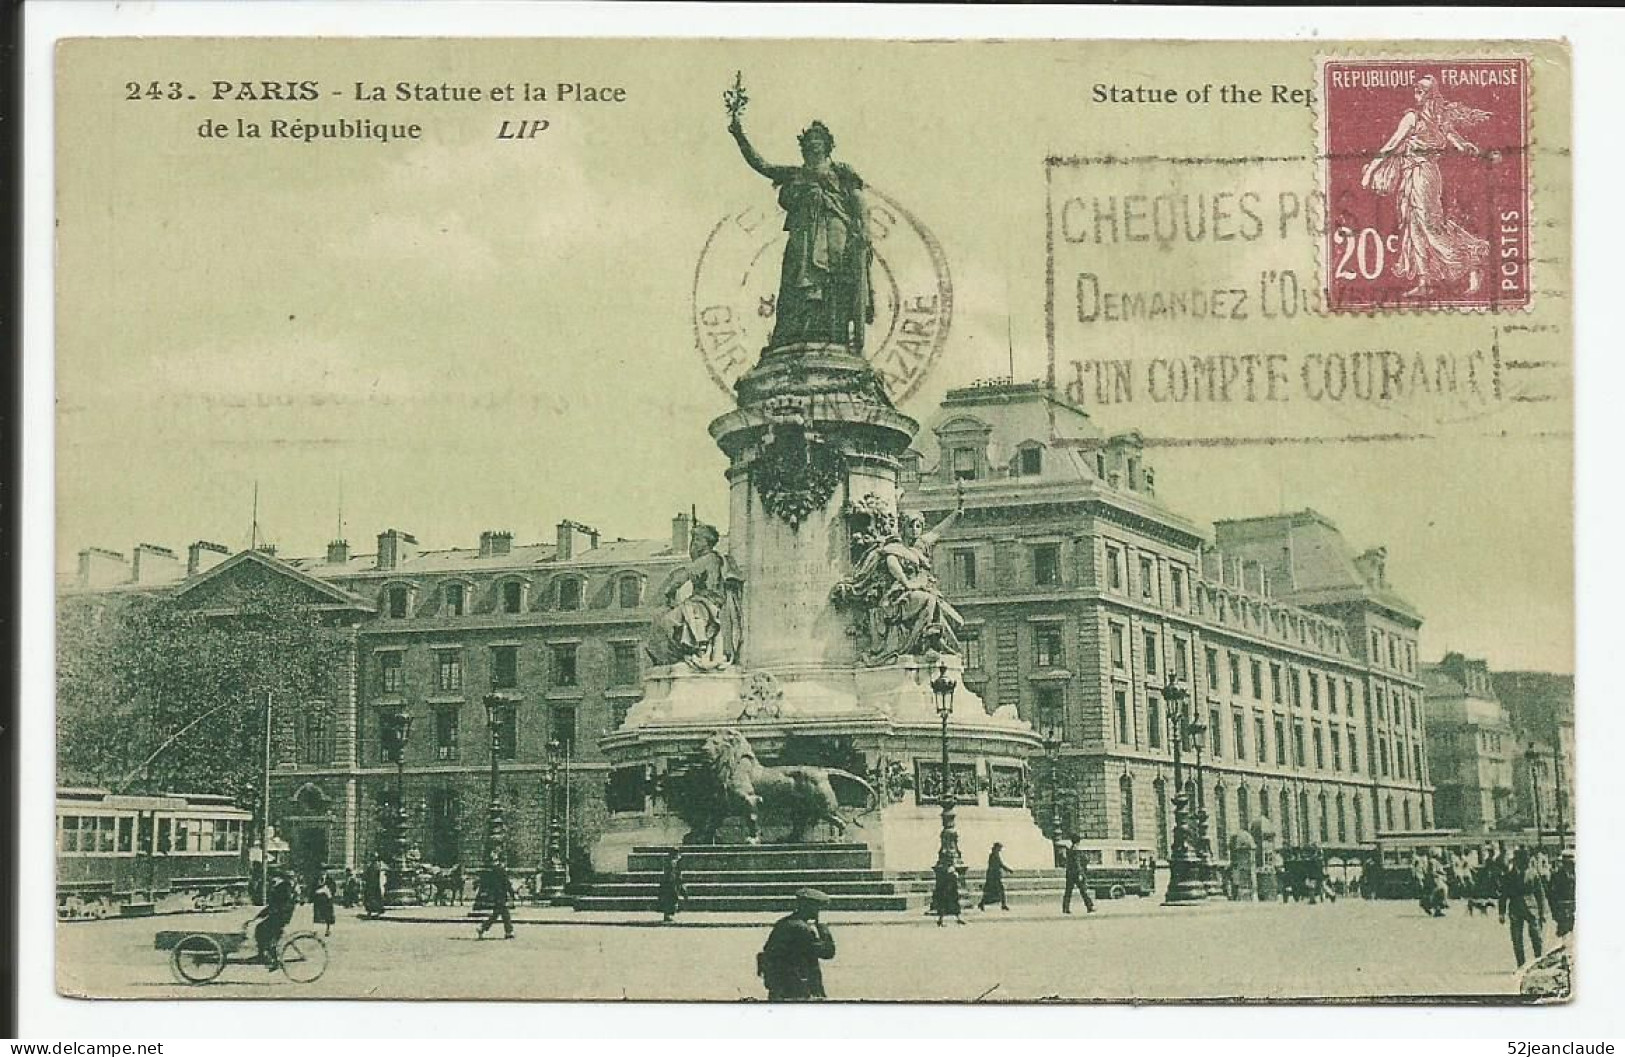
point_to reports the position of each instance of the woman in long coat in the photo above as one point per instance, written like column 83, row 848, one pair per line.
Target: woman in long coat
column 993, row 885
column 671, row 887
column 945, row 901
column 321, row 903
column 372, row 894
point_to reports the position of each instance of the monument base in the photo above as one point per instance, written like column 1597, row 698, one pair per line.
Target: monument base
column 881, row 724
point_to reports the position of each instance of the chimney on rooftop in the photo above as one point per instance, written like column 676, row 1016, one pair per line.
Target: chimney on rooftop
column 575, row 538
column 395, row 547
column 99, row 567
column 203, row 556
column 495, row 544
column 681, row 527
column 153, row 564
column 1373, row 566
column 338, row 552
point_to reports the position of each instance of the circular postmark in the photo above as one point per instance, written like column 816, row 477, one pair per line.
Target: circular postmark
column 736, row 287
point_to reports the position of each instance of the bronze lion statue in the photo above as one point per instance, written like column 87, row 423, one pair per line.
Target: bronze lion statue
column 739, row 786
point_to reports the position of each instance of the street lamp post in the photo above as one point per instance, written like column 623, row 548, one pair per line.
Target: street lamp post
column 496, row 827
column 553, row 874
column 942, row 688
column 400, row 891
column 1558, row 791
column 1052, row 753
column 1185, row 883
column 1532, row 759
column 1202, row 848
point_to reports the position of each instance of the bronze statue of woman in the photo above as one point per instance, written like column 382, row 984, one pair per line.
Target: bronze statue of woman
column 824, row 290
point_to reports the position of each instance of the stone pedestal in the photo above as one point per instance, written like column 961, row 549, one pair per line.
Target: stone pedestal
column 813, row 434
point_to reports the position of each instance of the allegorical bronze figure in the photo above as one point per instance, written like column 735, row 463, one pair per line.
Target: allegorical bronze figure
column 824, row 290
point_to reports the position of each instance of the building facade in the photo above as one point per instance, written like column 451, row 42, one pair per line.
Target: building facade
column 1540, row 707
column 1084, row 598
column 1471, row 745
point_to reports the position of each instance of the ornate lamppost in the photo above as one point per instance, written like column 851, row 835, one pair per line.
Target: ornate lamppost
column 1052, row 753
column 496, row 827
column 553, row 874
column 1185, row 882
column 943, row 686
column 401, row 890
column 1202, row 847
column 1532, row 760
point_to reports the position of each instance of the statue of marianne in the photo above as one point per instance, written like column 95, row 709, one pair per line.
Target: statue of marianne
column 824, row 289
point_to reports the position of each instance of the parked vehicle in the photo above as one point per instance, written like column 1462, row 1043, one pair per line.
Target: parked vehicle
column 136, row 854
column 1119, row 868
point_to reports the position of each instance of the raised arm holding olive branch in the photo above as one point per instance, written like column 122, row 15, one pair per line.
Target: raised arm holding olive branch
column 825, row 295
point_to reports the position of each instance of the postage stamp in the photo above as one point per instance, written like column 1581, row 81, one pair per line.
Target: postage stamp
column 1425, row 168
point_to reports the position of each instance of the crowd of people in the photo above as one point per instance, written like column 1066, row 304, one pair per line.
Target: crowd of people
column 1523, row 884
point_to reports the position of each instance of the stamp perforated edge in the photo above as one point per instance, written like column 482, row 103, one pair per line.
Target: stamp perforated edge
column 1444, row 51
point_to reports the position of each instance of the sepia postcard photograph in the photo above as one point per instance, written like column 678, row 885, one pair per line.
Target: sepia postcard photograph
column 781, row 520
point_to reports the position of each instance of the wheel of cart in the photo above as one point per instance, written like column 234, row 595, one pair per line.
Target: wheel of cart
column 303, row 957
column 199, row 957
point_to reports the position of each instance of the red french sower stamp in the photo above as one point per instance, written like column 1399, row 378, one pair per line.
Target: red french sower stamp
column 1425, row 166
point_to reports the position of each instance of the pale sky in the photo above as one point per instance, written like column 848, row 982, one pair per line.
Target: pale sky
column 477, row 334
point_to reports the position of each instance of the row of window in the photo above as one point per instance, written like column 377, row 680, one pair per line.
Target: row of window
column 1331, row 745
column 1272, row 619
column 1247, row 675
column 1391, row 651
column 1334, row 814
column 1147, row 582
column 512, row 595
column 446, row 730
column 121, row 835
column 625, row 667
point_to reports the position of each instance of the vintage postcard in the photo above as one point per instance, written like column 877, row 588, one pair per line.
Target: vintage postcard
column 770, row 520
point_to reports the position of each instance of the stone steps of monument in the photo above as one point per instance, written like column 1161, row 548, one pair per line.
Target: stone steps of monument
column 687, row 849
column 628, row 886
column 773, row 903
column 800, row 877
column 755, row 858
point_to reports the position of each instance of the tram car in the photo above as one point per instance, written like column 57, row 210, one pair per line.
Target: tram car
column 1389, row 874
column 127, row 855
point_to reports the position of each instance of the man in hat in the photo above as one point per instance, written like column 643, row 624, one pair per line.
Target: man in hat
column 280, row 901
column 497, row 888
column 788, row 963
column 1560, row 893
column 1077, row 878
column 1523, row 903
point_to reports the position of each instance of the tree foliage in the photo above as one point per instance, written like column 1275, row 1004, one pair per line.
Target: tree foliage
column 134, row 670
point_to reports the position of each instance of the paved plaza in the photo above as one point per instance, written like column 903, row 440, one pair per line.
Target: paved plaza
column 1130, row 949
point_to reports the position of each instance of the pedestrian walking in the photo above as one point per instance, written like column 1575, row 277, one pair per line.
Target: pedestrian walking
column 672, row 891
column 1077, row 878
column 1435, row 894
column 789, row 963
column 1560, row 892
column 495, row 885
column 993, row 883
column 321, row 903
column 945, row 893
column 351, row 888
column 372, row 899
column 1523, row 903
